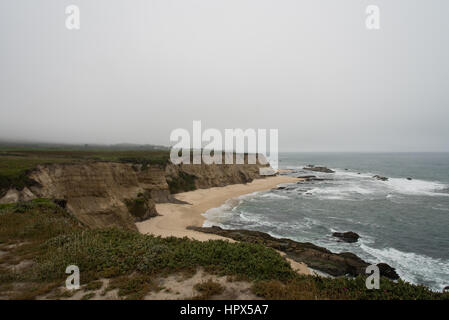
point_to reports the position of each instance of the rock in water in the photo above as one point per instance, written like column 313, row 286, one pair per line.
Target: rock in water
column 319, row 169
column 387, row 271
column 347, row 236
column 311, row 178
column 380, row 178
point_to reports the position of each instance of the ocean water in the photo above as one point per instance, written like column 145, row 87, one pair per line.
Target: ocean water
column 404, row 223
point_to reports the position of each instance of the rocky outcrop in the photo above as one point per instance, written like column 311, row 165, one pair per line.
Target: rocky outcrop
column 381, row 178
column 318, row 169
column 347, row 236
column 13, row 195
column 104, row 194
column 387, row 271
column 318, row 258
column 311, row 178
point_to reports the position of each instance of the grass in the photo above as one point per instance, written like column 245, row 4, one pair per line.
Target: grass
column 207, row 289
column 16, row 164
column 342, row 288
column 94, row 285
column 33, row 222
column 44, row 233
column 133, row 287
column 53, row 240
column 113, row 252
column 88, row 296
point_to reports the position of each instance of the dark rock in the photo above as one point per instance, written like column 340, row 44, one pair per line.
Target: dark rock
column 318, row 258
column 347, row 236
column 380, row 178
column 60, row 202
column 409, row 178
column 387, row 271
column 319, row 169
column 280, row 188
column 311, row 178
column 446, row 289
column 306, row 177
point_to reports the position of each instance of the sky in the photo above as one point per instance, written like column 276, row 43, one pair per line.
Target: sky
column 138, row 69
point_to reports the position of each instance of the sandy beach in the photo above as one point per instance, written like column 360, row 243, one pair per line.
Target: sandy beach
column 175, row 218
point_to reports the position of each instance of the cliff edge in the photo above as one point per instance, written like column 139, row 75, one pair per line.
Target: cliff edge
column 104, row 194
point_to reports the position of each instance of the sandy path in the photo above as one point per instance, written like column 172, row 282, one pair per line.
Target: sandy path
column 175, row 218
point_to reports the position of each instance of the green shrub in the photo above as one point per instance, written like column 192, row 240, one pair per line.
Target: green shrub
column 184, row 182
column 208, row 289
column 313, row 287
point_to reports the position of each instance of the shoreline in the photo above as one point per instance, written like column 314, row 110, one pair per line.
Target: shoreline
column 175, row 218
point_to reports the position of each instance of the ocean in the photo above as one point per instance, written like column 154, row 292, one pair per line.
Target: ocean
column 402, row 222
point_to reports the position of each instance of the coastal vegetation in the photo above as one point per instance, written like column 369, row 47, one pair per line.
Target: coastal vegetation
column 184, row 182
column 39, row 239
column 15, row 164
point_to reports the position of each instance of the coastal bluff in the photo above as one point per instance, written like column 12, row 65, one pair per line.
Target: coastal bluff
column 105, row 194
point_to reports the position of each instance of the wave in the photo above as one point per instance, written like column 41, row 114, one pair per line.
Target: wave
column 417, row 187
column 273, row 196
column 348, row 183
column 351, row 174
column 224, row 212
column 412, row 267
column 402, row 185
column 340, row 192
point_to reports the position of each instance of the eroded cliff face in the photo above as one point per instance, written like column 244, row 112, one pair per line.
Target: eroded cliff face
column 103, row 194
column 214, row 175
column 97, row 193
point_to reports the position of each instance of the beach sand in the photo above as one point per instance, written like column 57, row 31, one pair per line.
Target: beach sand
column 175, row 218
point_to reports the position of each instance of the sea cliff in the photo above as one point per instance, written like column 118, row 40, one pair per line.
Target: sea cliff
column 104, row 194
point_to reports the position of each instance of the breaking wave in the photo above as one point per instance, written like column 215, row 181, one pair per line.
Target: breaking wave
column 412, row 267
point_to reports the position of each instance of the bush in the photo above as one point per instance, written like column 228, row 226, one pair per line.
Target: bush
column 184, row 182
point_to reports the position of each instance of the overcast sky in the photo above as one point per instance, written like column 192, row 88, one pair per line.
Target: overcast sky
column 137, row 69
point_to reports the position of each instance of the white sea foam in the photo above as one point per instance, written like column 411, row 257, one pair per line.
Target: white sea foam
column 413, row 267
column 347, row 183
column 273, row 196
column 441, row 208
column 340, row 192
column 364, row 175
column 416, row 187
column 217, row 216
